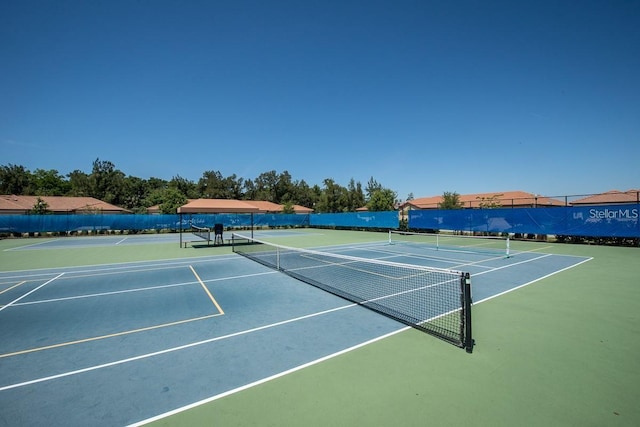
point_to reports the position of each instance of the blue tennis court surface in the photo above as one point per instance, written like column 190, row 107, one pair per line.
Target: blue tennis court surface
column 119, row 344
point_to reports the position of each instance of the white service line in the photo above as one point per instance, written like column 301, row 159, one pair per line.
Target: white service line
column 267, row 379
column 171, row 350
column 533, row 281
column 31, row 291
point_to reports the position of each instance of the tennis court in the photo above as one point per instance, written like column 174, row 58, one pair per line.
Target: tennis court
column 204, row 334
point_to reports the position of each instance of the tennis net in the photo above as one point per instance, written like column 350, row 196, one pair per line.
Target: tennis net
column 202, row 232
column 436, row 301
column 491, row 245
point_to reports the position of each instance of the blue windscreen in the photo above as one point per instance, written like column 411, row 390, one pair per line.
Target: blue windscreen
column 600, row 221
column 103, row 222
column 387, row 219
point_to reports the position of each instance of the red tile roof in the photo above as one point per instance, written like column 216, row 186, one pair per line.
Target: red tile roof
column 610, row 197
column 236, row 206
column 217, row 206
column 10, row 204
column 265, row 206
column 505, row 199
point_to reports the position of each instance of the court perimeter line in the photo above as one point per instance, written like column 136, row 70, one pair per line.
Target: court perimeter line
column 264, row 380
column 213, row 300
column 173, row 349
column 101, row 337
column 31, row 291
column 314, row 362
column 17, row 248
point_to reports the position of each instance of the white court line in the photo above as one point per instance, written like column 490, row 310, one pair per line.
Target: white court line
column 229, row 392
column 173, row 349
column 264, row 380
column 17, row 248
column 119, row 266
column 512, row 265
column 314, row 362
column 534, row 281
column 120, row 241
column 149, row 288
column 31, row 291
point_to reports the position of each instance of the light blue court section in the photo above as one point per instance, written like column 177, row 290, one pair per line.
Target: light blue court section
column 129, row 341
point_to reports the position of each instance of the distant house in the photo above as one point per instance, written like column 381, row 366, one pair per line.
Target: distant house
column 609, row 198
column 155, row 209
column 236, row 206
column 20, row 205
column 505, row 199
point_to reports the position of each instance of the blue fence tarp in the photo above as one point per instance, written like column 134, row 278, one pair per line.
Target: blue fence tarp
column 596, row 221
column 387, row 219
column 99, row 222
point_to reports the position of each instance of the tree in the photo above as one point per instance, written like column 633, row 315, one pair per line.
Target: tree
column 40, row 207
column 334, row 198
column 283, row 191
column 134, row 194
column 450, row 201
column 355, row 197
column 172, row 200
column 185, row 186
column 106, row 182
column 14, row 180
column 48, row 183
column 382, row 200
column 79, row 184
column 490, row 202
column 372, row 187
column 288, row 208
column 265, row 186
column 303, row 194
column 210, row 186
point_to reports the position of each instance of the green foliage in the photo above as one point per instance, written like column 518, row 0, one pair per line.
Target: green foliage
column 14, row 180
column 382, row 200
column 490, row 202
column 106, row 182
column 288, row 208
column 450, row 201
column 40, row 207
column 172, row 200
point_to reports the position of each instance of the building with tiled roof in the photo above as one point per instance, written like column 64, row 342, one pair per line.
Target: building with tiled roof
column 236, row 206
column 609, row 198
column 505, row 199
column 20, row 205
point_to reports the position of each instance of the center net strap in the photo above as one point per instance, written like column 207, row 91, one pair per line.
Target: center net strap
column 430, row 299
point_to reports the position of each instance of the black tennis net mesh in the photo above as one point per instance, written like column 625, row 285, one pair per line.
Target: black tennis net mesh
column 436, row 301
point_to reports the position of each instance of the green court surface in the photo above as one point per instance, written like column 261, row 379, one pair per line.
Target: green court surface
column 562, row 351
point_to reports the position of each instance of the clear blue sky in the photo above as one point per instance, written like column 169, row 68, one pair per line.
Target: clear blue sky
column 424, row 96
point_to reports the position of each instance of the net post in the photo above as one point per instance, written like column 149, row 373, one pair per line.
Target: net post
column 466, row 291
column 389, row 236
column 180, row 221
column 508, row 254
